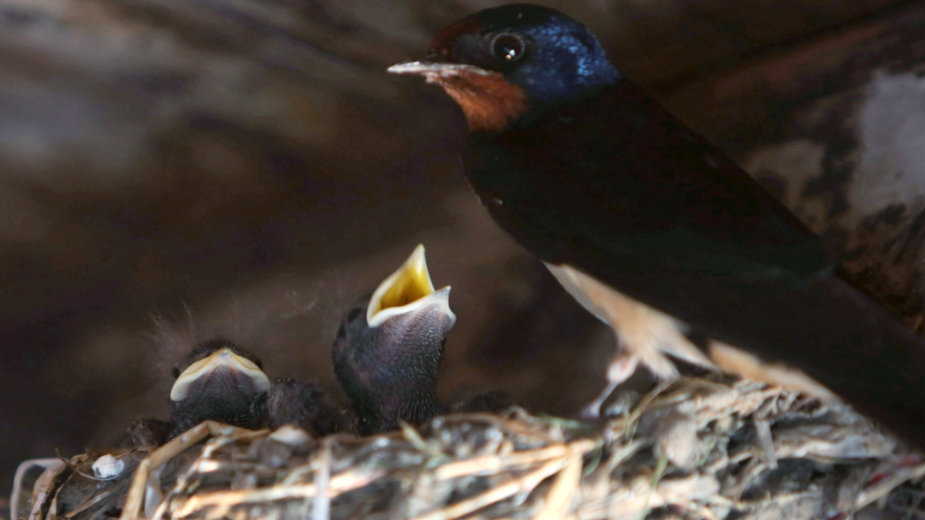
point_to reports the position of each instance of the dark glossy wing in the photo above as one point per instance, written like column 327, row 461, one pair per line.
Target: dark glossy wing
column 618, row 188
column 618, row 171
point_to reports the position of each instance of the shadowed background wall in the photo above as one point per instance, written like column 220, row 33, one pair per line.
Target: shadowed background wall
column 172, row 170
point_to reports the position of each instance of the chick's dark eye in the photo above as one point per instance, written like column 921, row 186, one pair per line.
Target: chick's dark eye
column 508, row 47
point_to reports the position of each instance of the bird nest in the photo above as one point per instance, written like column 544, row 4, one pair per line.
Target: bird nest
column 699, row 448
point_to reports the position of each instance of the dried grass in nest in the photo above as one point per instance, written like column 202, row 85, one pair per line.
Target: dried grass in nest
column 701, row 448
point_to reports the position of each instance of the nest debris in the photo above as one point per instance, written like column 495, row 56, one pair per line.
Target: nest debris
column 700, row 448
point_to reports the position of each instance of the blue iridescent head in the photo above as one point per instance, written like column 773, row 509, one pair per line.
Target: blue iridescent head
column 515, row 58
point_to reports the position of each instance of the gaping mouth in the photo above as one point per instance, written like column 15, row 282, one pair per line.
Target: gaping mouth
column 407, row 289
column 221, row 362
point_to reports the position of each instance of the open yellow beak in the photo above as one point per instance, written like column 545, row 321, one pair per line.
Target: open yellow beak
column 407, row 289
column 223, row 358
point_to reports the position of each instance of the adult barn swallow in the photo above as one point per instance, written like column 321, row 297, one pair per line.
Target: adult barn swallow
column 221, row 382
column 388, row 349
column 650, row 227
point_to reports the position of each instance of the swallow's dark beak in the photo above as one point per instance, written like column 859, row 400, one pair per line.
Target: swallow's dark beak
column 487, row 99
column 435, row 71
column 407, row 291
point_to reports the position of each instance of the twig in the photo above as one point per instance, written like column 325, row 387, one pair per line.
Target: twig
column 524, row 483
column 338, row 484
column 563, row 490
column 321, row 509
column 488, row 464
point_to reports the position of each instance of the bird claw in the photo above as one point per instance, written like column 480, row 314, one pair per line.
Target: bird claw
column 621, row 368
column 592, row 411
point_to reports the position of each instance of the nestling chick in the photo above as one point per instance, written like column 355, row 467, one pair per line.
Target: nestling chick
column 388, row 348
column 221, row 382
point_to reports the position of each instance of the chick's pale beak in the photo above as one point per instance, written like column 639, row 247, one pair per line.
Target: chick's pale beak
column 221, row 360
column 407, row 289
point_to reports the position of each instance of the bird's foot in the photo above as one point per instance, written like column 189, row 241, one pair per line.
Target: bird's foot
column 621, row 368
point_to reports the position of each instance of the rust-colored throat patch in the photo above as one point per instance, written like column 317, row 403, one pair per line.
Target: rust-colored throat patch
column 488, row 100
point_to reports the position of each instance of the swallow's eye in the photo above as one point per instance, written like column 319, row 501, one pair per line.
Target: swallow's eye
column 176, row 372
column 508, row 47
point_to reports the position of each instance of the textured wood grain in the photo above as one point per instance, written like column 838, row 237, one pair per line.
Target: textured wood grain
column 835, row 129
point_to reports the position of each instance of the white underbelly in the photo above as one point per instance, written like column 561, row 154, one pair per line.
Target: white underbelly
column 648, row 333
column 644, row 330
